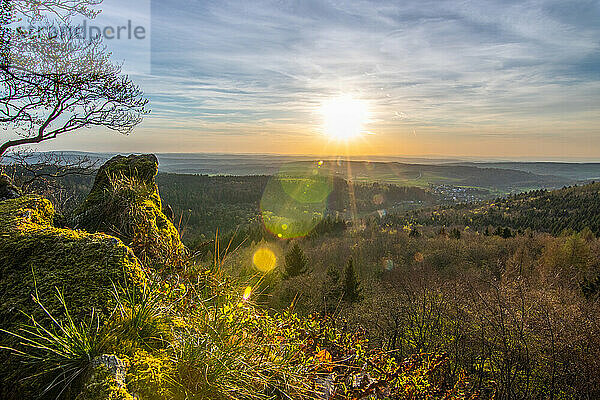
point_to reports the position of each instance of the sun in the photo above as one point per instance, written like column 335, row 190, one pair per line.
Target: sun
column 344, row 117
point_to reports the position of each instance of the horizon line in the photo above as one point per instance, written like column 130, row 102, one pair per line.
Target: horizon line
column 365, row 157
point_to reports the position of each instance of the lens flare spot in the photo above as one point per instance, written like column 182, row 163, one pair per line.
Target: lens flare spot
column 264, row 260
column 247, row 293
column 295, row 200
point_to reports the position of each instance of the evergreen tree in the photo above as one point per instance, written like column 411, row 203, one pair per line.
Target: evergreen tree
column 332, row 288
column 295, row 262
column 351, row 285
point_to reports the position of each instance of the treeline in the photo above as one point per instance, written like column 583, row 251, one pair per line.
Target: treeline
column 571, row 208
column 203, row 204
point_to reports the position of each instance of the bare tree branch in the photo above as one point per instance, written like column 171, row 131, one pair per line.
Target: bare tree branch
column 36, row 10
column 51, row 85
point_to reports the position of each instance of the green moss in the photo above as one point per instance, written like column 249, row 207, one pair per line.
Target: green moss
column 143, row 167
column 36, row 257
column 150, row 376
column 25, row 211
column 103, row 385
column 125, row 202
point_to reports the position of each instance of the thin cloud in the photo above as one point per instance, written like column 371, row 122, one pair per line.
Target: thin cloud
column 229, row 66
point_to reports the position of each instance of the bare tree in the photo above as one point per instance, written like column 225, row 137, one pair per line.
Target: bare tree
column 62, row 9
column 42, row 169
column 51, row 85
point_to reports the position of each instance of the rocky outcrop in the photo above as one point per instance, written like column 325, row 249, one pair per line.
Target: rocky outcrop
column 37, row 257
column 124, row 202
column 125, row 231
column 7, row 189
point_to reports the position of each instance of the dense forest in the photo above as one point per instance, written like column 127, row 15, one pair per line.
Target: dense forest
column 575, row 208
column 203, row 204
column 519, row 314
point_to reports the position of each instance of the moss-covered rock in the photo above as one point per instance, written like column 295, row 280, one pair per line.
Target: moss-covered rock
column 124, row 202
column 106, row 380
column 37, row 258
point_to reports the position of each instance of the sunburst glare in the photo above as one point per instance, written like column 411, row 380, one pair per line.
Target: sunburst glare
column 344, row 117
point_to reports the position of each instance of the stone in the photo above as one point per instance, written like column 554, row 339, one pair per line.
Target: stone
column 35, row 256
column 116, row 367
column 38, row 259
column 106, row 380
column 124, row 202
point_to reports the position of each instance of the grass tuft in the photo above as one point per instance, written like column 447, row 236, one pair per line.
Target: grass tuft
column 60, row 354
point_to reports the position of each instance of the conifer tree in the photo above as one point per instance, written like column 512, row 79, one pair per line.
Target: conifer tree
column 332, row 288
column 295, row 262
column 351, row 285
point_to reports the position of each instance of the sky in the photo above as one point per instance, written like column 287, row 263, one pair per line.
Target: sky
column 499, row 79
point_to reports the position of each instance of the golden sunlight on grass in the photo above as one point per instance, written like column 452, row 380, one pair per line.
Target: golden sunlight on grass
column 344, row 117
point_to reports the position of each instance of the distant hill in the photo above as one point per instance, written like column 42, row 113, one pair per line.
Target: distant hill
column 496, row 180
column 574, row 171
column 575, row 207
column 423, row 175
column 496, row 177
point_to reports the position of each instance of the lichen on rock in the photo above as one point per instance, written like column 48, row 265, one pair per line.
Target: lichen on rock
column 124, row 202
column 106, row 380
column 149, row 376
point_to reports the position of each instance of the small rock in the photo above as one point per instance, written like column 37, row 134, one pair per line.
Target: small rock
column 106, row 380
column 324, row 387
column 116, row 366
